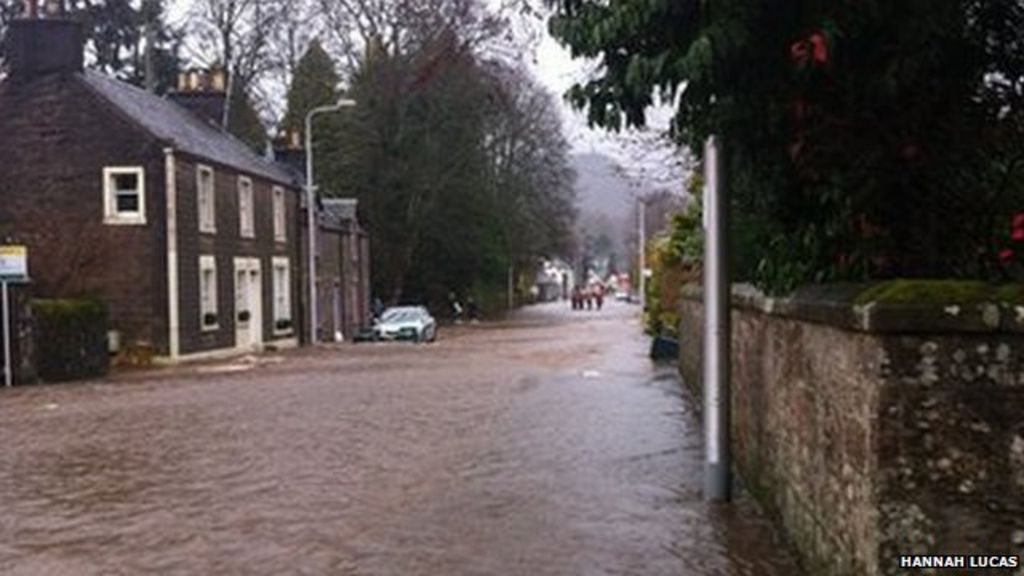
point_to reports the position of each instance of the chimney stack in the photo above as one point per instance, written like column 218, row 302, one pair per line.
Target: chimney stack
column 40, row 46
column 288, row 150
column 203, row 92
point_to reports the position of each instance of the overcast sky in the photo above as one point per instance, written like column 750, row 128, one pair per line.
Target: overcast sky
column 644, row 155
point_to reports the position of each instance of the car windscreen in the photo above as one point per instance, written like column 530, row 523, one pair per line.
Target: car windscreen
column 399, row 316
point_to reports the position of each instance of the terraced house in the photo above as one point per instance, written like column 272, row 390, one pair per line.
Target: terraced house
column 190, row 237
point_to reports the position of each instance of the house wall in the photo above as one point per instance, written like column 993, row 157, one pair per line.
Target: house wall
column 55, row 139
column 871, row 432
column 357, row 279
column 329, row 278
column 342, row 264
column 227, row 244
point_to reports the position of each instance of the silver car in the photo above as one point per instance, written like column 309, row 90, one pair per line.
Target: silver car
column 406, row 323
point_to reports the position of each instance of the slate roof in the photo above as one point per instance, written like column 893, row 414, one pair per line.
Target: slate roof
column 338, row 211
column 184, row 130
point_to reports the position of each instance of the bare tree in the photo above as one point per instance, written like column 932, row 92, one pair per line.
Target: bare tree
column 238, row 35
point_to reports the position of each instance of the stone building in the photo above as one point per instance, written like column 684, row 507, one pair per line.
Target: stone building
column 190, row 237
column 343, row 281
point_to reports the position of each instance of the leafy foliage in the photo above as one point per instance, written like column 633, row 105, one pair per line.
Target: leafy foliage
column 459, row 166
column 675, row 258
column 863, row 139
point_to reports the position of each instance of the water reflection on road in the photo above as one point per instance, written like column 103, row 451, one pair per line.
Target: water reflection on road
column 546, row 445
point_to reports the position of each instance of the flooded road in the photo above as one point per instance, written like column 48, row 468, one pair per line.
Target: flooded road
column 545, row 445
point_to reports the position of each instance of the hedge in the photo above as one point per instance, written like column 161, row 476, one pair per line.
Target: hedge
column 70, row 339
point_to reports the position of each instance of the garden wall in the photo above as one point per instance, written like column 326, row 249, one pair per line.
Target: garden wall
column 871, row 429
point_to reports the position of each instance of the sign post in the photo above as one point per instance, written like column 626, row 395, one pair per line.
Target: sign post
column 13, row 268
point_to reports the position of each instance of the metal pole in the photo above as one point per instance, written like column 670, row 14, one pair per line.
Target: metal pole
column 642, row 212
column 311, row 226
column 718, row 481
column 8, row 372
column 311, row 210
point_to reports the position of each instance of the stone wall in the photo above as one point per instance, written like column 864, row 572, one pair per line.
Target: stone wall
column 874, row 430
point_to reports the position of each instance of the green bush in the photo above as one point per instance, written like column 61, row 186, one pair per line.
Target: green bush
column 70, row 339
column 860, row 140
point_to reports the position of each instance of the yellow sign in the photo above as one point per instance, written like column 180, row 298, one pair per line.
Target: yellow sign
column 13, row 262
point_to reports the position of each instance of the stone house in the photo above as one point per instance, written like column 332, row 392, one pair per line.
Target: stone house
column 190, row 237
column 343, row 277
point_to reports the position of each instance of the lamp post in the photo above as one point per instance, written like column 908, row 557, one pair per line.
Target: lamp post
column 311, row 209
column 717, row 329
column 641, row 204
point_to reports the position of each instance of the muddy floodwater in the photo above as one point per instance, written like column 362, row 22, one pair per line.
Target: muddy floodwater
column 544, row 445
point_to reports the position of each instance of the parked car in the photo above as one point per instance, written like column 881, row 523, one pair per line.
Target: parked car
column 406, row 323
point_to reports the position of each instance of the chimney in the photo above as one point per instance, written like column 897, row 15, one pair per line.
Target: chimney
column 39, row 46
column 203, row 92
column 288, row 150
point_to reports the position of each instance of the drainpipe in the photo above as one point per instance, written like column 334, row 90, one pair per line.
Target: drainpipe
column 173, row 310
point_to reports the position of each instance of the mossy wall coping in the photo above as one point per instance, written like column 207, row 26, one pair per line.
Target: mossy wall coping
column 895, row 306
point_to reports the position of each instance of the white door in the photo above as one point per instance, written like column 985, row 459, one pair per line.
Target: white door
column 256, row 305
column 248, row 303
column 243, row 311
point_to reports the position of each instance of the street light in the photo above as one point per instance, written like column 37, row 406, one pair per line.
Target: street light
column 641, row 203
column 311, row 208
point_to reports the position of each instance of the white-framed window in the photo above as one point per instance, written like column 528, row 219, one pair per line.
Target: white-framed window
column 124, row 195
column 206, row 199
column 282, row 276
column 280, row 218
column 208, row 319
column 246, row 213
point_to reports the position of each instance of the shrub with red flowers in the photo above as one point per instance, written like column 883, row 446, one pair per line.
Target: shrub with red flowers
column 865, row 139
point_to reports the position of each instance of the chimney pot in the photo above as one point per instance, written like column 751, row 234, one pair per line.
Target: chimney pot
column 54, row 8
column 217, row 80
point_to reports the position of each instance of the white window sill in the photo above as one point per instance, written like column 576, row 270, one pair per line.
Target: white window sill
column 124, row 220
column 285, row 332
column 247, row 236
column 207, row 230
column 212, row 328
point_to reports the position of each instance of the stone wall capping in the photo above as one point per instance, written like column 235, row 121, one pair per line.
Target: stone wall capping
column 839, row 305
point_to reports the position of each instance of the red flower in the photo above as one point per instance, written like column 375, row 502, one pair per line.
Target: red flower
column 820, row 50
column 1005, row 255
column 1017, row 234
column 1018, row 221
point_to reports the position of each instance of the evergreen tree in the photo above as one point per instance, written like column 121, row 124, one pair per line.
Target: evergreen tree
column 315, row 83
column 120, row 31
